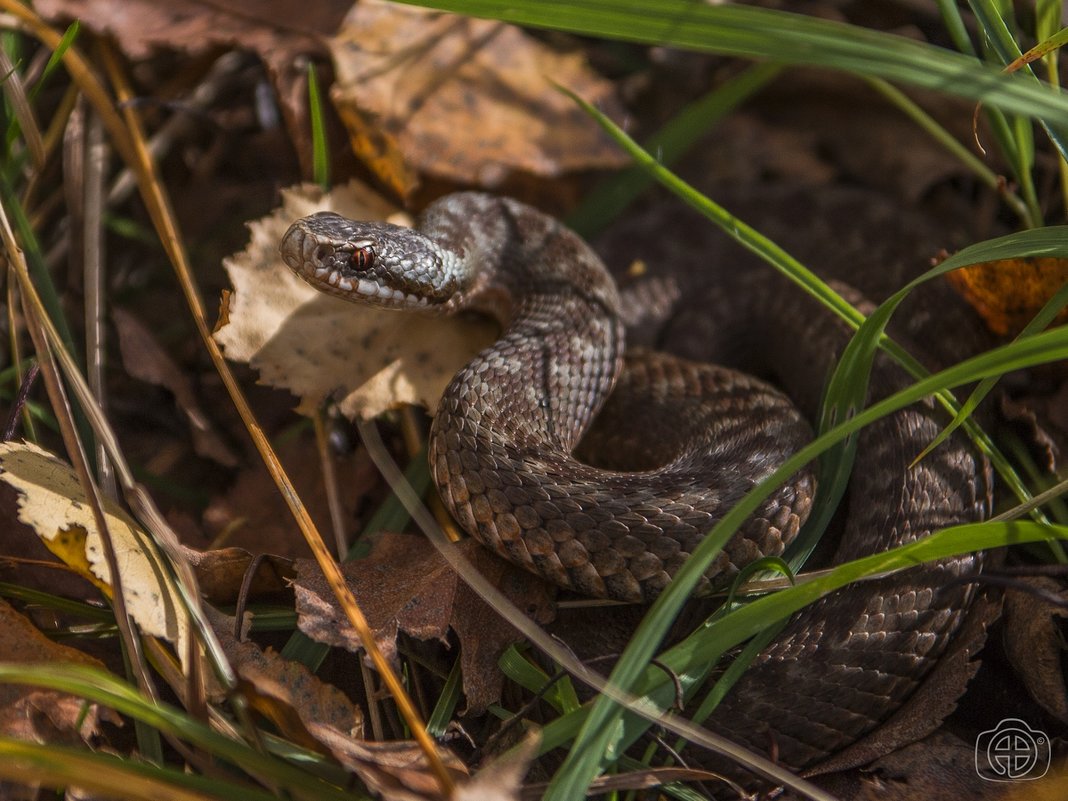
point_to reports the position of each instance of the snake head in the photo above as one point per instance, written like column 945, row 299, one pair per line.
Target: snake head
column 376, row 263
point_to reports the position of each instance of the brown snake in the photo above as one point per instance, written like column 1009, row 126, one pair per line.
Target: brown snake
column 694, row 437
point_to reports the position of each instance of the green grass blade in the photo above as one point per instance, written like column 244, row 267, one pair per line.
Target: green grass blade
column 1001, row 39
column 693, row 656
column 56, row 57
column 112, row 776
column 779, row 36
column 608, row 200
column 600, row 731
column 561, row 695
column 56, row 603
column 35, row 261
column 438, row 722
column 731, row 675
column 752, row 619
column 104, row 688
column 1047, row 46
column 1045, row 316
column 955, row 26
column 320, row 157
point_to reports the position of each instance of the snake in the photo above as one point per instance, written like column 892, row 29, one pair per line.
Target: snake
column 601, row 469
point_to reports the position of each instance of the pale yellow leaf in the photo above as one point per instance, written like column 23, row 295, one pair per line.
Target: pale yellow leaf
column 51, row 502
column 318, row 347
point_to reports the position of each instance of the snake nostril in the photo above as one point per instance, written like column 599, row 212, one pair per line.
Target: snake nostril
column 322, row 253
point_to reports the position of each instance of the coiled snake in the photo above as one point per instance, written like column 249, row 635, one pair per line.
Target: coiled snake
column 697, row 438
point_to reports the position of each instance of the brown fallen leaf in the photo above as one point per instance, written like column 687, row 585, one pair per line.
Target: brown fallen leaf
column 283, row 690
column 221, row 572
column 1008, row 293
column 143, row 27
column 404, row 585
column 502, row 778
column 1034, row 644
column 1042, row 413
column 34, row 714
column 396, row 771
column 408, row 79
column 940, row 768
column 147, row 361
column 318, row 346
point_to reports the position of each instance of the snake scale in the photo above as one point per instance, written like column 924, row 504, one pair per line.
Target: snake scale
column 694, row 439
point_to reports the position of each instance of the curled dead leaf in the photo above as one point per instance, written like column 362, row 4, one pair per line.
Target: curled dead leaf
column 1034, row 643
column 502, row 778
column 221, row 572
column 408, row 79
column 1009, row 292
column 396, row 771
column 37, row 715
column 317, row 346
column 285, row 691
column 404, row 585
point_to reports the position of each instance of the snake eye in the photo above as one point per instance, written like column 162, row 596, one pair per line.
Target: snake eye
column 363, row 257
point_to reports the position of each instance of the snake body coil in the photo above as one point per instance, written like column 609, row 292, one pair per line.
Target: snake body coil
column 502, row 443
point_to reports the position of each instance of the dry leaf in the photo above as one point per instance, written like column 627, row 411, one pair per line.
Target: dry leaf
column 501, row 779
column 1035, row 645
column 221, row 572
column 466, row 100
column 1042, row 414
column 397, row 771
column 33, row 714
column 405, row 585
column 318, row 346
column 146, row 361
column 142, row 27
column 283, row 690
column 940, row 768
column 1008, row 293
column 51, row 501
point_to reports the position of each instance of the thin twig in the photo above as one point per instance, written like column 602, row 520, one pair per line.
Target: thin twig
column 20, row 401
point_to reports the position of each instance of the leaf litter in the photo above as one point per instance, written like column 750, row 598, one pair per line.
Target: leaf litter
column 429, row 101
column 404, row 585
